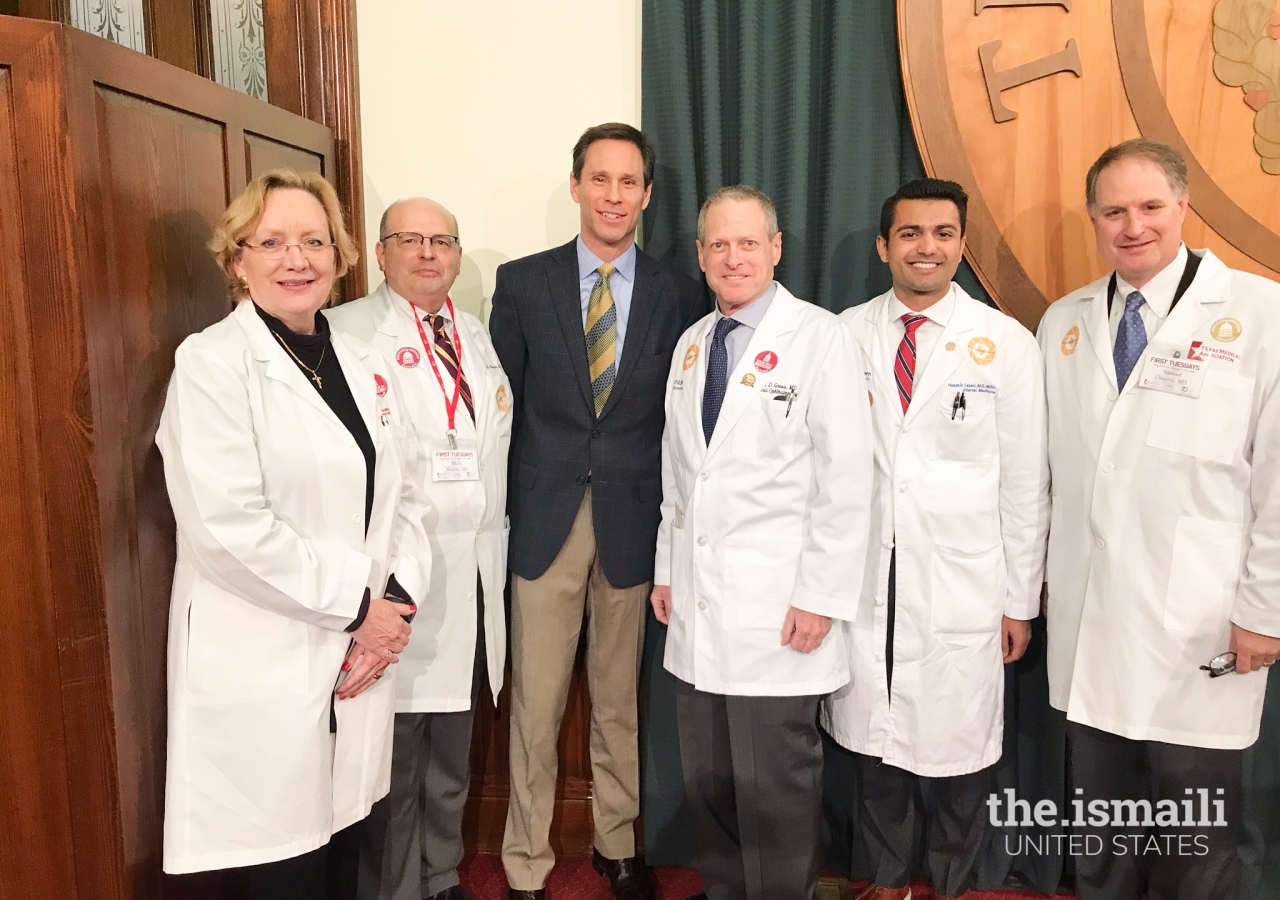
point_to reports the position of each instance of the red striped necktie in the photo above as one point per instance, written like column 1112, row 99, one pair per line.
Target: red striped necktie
column 449, row 356
column 904, row 366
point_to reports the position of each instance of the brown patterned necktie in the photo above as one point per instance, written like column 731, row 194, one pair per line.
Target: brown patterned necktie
column 449, row 356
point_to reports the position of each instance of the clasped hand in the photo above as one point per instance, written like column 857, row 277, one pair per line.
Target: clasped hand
column 375, row 645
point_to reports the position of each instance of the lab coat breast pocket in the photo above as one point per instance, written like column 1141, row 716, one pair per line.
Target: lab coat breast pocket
column 1212, row 426
column 1208, row 557
column 759, row 574
column 970, row 434
column 967, row 590
column 238, row 652
column 761, row 430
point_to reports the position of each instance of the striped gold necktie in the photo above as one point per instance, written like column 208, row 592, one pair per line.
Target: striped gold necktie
column 602, row 336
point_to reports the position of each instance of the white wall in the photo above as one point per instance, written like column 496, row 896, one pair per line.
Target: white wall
column 477, row 104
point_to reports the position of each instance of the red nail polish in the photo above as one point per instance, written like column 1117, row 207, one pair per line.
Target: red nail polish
column 412, row 608
column 346, row 666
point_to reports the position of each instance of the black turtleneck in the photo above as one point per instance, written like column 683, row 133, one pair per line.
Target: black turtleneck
column 316, row 352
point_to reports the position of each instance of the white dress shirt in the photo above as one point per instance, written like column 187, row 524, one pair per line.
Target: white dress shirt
column 1158, row 294
column 936, row 318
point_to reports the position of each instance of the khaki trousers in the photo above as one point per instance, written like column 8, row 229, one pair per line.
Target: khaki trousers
column 546, row 619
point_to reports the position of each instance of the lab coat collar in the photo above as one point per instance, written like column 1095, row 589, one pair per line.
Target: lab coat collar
column 1206, row 290
column 280, row 367
column 781, row 319
column 396, row 321
column 948, row 353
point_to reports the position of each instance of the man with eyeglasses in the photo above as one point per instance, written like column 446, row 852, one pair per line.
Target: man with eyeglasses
column 454, row 389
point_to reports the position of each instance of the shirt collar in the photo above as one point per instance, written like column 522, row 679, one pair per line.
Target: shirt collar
column 939, row 312
column 410, row 311
column 1159, row 291
column 588, row 262
column 751, row 314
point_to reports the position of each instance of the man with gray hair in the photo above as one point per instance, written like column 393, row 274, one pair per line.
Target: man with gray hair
column 459, row 401
column 766, row 477
column 1164, row 552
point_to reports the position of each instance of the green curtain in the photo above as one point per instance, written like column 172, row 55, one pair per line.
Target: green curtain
column 804, row 100
column 801, row 99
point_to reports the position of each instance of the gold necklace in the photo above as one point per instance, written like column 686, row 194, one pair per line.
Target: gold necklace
column 314, row 377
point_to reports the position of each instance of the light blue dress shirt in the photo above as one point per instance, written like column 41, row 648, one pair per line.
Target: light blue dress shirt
column 750, row 316
column 620, row 284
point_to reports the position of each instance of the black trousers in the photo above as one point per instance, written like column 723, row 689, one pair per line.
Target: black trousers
column 1168, row 863
column 893, row 811
column 326, row 873
column 954, row 832
column 753, row 780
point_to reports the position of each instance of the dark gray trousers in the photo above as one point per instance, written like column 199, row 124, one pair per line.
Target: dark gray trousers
column 415, row 833
column 1159, row 863
column 893, row 815
column 753, row 780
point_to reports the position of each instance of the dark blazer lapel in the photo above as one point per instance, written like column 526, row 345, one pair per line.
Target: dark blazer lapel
column 566, row 299
column 645, row 294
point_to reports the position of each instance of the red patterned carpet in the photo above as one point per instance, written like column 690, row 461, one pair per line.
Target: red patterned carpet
column 574, row 879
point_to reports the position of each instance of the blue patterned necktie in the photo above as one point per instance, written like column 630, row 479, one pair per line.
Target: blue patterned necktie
column 717, row 377
column 1131, row 339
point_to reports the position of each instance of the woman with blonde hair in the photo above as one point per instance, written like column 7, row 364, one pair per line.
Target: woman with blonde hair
column 295, row 482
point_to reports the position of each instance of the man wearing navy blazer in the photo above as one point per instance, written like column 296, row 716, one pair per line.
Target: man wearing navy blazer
column 585, row 333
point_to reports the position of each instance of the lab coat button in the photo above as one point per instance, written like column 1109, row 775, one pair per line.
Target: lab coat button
column 879, row 656
column 704, row 476
column 1109, row 468
column 1111, row 395
column 702, row 605
column 702, row 541
column 902, row 489
column 886, row 544
column 355, row 517
column 1101, row 543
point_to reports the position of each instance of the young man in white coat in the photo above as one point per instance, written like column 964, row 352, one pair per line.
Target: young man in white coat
column 1164, row 551
column 957, row 557
column 463, row 415
column 766, row 474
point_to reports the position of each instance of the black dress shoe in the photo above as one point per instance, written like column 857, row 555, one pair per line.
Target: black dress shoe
column 539, row 894
column 629, row 878
column 453, row 893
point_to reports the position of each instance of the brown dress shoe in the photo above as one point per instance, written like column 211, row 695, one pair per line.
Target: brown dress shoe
column 539, row 894
column 630, row 879
column 875, row 892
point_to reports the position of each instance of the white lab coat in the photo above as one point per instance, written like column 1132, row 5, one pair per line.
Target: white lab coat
column 467, row 526
column 268, row 491
column 774, row 513
column 1166, row 514
column 966, row 500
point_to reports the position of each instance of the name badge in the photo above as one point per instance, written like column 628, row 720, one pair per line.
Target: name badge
column 461, row 463
column 1168, row 368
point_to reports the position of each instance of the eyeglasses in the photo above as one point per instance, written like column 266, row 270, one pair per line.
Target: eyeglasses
column 1220, row 665
column 273, row 248
column 411, row 239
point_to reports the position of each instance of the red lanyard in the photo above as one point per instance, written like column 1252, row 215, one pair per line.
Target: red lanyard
column 451, row 406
